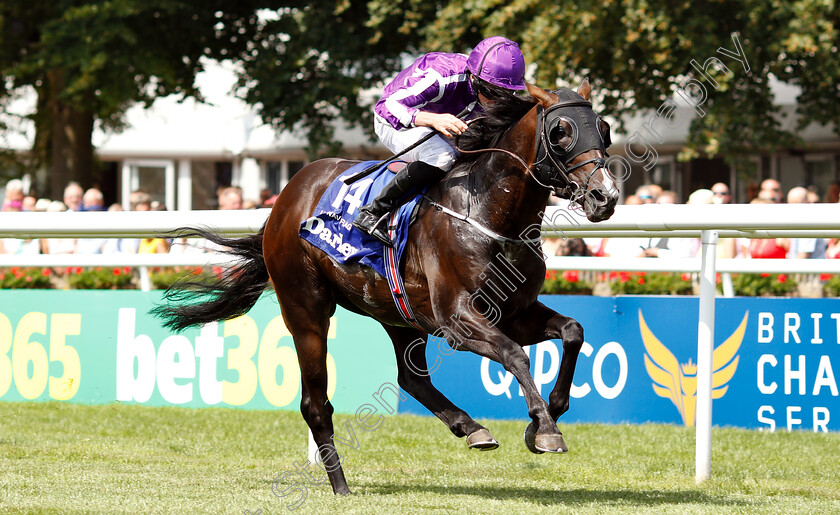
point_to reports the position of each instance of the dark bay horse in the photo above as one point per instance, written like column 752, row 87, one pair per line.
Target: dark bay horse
column 471, row 273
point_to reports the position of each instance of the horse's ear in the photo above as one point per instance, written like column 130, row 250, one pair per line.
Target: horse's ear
column 584, row 89
column 544, row 97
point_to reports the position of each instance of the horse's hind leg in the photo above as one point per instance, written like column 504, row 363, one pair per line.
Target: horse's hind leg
column 413, row 376
column 309, row 324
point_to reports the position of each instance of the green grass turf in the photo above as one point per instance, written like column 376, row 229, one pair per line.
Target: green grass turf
column 62, row 458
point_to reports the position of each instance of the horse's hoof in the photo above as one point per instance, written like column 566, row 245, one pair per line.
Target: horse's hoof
column 482, row 440
column 551, row 443
column 530, row 437
column 539, row 444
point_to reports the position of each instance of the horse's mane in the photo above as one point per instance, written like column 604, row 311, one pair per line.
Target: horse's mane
column 498, row 117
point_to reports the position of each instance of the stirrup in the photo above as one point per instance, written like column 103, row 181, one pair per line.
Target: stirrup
column 370, row 224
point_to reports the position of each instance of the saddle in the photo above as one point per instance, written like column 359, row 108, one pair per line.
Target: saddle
column 330, row 228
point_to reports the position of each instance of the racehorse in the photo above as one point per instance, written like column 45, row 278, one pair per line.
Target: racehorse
column 469, row 228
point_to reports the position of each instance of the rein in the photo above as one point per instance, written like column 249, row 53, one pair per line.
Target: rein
column 466, row 218
column 508, row 152
column 574, row 190
column 543, row 145
column 518, row 159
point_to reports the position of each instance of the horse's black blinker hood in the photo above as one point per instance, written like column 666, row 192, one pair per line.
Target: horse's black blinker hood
column 566, row 130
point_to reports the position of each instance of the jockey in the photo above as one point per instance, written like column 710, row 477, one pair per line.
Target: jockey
column 426, row 96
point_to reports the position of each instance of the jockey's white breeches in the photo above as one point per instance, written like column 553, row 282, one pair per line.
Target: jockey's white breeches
column 437, row 151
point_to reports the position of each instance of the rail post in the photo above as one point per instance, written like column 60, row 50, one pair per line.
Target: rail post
column 312, row 450
column 705, row 348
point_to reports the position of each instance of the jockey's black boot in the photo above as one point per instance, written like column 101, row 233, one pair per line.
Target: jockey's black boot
column 373, row 218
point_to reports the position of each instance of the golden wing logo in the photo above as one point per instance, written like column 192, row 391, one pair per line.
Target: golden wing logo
column 678, row 381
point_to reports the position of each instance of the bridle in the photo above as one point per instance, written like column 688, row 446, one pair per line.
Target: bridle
column 549, row 169
column 549, row 164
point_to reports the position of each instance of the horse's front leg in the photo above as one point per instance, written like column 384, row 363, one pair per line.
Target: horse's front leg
column 539, row 323
column 571, row 332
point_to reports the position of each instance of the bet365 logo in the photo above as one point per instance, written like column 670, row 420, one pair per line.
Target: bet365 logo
column 678, row 381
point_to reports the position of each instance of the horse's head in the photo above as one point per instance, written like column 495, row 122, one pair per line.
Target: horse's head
column 572, row 142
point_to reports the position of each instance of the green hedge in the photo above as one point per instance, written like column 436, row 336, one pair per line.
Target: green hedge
column 832, row 285
column 757, row 285
column 98, row 278
column 566, row 282
column 29, row 278
column 651, row 283
column 101, row 278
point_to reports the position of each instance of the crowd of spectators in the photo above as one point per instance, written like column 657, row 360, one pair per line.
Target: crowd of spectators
column 769, row 192
column 75, row 198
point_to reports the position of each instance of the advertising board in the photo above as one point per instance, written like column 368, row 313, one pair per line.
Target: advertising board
column 774, row 360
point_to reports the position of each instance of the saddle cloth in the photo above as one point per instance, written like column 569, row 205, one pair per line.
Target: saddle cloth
column 330, row 228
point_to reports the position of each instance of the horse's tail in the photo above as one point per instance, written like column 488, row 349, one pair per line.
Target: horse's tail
column 191, row 301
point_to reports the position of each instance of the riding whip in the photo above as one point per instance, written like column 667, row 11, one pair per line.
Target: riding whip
column 372, row 168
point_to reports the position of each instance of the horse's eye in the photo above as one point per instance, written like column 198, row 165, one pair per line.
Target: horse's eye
column 560, row 136
column 556, row 134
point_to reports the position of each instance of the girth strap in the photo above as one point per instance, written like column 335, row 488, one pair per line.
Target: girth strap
column 395, row 281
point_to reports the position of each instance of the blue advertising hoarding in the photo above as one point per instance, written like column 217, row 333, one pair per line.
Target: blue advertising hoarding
column 774, row 364
column 775, row 360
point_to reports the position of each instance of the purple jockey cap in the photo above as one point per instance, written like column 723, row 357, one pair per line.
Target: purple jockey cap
column 498, row 61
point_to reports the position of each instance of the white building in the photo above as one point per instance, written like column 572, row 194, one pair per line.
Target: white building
column 182, row 152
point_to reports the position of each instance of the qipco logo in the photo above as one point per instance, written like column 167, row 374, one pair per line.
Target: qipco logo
column 546, row 357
